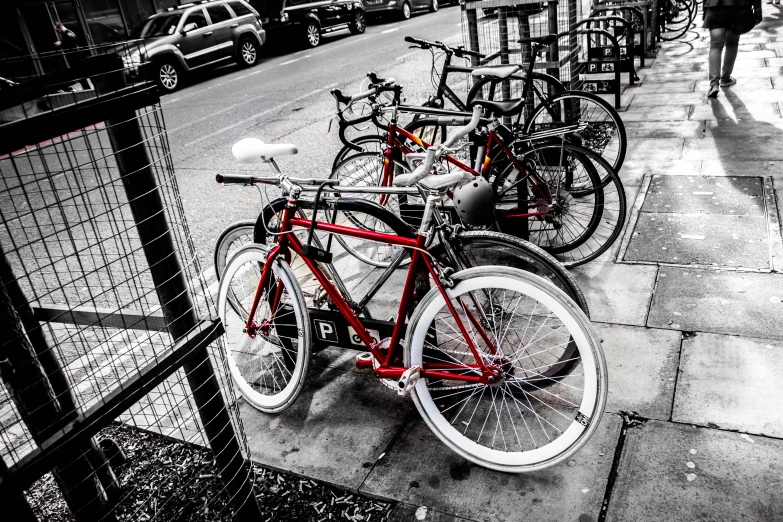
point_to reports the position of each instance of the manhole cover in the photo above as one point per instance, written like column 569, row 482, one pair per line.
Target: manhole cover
column 711, row 221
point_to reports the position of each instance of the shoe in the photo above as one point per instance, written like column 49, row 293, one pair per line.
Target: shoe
column 713, row 92
column 732, row 81
column 769, row 2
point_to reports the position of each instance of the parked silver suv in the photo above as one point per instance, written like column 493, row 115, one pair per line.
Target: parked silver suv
column 201, row 34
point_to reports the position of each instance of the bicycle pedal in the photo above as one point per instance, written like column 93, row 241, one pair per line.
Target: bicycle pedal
column 316, row 253
column 408, row 380
column 364, row 361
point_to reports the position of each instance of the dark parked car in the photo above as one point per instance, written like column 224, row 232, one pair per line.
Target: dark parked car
column 306, row 20
column 403, row 8
column 193, row 36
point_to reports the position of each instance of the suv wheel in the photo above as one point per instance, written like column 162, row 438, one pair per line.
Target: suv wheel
column 359, row 23
column 312, row 34
column 168, row 75
column 248, row 52
column 434, row 5
column 406, row 10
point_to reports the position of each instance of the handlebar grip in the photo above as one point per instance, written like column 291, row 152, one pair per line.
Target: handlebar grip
column 407, row 180
column 472, row 53
column 239, row 179
column 340, row 97
column 374, row 78
column 413, row 40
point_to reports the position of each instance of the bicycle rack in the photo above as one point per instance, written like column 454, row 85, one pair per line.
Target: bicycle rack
column 646, row 11
column 626, row 61
column 597, row 67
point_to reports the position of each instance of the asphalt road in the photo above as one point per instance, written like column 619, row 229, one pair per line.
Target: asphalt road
column 284, row 99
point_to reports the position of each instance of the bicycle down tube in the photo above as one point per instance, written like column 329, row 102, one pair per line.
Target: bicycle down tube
column 388, row 370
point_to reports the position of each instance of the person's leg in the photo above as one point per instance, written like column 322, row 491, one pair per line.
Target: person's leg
column 732, row 47
column 717, row 41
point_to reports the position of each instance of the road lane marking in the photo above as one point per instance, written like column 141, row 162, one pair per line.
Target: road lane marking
column 262, row 113
column 390, row 30
column 290, row 61
column 234, row 106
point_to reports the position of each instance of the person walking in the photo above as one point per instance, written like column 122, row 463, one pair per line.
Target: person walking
column 68, row 43
column 719, row 17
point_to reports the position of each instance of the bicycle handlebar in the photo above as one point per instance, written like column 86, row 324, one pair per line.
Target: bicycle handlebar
column 307, row 184
column 459, row 52
column 433, row 153
column 247, row 179
column 374, row 89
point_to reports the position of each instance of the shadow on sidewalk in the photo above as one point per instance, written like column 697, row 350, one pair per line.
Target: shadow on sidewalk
column 740, row 132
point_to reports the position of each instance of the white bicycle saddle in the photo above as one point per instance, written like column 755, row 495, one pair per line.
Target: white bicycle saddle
column 442, row 180
column 253, row 150
column 496, row 72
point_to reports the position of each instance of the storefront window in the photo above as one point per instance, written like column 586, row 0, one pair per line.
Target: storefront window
column 104, row 21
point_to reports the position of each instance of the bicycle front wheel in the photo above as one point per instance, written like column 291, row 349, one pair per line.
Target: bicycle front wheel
column 268, row 361
column 542, row 407
column 368, row 143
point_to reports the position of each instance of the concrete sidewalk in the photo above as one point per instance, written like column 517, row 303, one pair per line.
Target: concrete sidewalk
column 689, row 308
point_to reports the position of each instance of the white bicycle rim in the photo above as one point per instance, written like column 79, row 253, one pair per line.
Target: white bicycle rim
column 281, row 400
column 591, row 359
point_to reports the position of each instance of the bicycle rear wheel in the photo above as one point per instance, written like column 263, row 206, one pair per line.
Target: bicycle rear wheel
column 235, row 236
column 484, row 247
column 544, row 197
column 269, row 363
column 542, row 407
column 605, row 133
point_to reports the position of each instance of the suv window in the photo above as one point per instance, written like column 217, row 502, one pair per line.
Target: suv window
column 218, row 13
column 239, row 9
column 196, row 17
column 161, row 25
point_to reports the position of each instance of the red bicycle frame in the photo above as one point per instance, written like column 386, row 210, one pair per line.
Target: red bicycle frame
column 391, row 363
column 392, row 141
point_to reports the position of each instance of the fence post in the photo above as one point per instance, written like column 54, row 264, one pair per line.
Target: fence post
column 146, row 205
column 43, row 409
column 473, row 39
column 14, row 501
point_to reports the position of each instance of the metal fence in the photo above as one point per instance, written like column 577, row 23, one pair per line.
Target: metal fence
column 114, row 382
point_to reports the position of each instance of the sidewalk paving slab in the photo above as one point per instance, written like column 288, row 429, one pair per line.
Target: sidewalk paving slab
column 642, row 364
column 677, row 472
column 678, row 112
column 739, row 130
column 662, row 149
column 722, row 109
column 759, row 148
column 700, row 239
column 734, row 383
column 739, row 196
column 659, row 129
column 727, row 302
column 420, row 469
column 335, row 430
column 404, row 512
column 720, row 167
column 617, row 293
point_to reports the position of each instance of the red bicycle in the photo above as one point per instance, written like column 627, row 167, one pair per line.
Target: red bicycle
column 552, row 188
column 503, row 367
